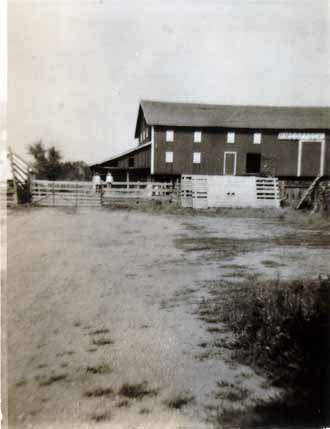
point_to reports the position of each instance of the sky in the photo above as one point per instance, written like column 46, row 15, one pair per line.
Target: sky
column 77, row 69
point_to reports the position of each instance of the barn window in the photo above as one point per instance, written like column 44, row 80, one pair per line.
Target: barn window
column 169, row 157
column 198, row 137
column 131, row 161
column 169, row 135
column 231, row 137
column 196, row 157
column 253, row 163
column 257, row 138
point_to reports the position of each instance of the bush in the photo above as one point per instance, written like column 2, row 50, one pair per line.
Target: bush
column 283, row 329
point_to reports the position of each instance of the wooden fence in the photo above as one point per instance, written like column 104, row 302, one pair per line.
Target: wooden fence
column 65, row 193
column 139, row 191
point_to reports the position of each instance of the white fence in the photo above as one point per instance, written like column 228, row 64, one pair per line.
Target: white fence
column 196, row 191
column 67, row 193
column 139, row 190
column 199, row 191
column 64, row 193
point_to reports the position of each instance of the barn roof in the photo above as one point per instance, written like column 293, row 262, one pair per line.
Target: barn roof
column 120, row 155
column 208, row 115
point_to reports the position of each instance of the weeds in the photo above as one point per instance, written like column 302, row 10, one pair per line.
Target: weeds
column 65, row 353
column 272, row 264
column 103, row 341
column 123, row 403
column 41, row 366
column 99, row 331
column 97, row 392
column 48, row 380
column 21, row 382
column 179, row 401
column 229, row 417
column 102, row 368
column 136, row 391
column 233, row 393
column 144, row 411
column 101, row 416
column 283, row 329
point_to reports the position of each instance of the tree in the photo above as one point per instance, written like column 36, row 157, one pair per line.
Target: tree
column 48, row 164
column 77, row 170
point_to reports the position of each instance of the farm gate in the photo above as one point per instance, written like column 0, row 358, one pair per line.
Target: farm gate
column 69, row 193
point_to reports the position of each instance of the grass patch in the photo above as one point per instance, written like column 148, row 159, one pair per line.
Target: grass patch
column 102, row 368
column 229, row 417
column 102, row 341
column 42, row 365
column 124, row 403
column 179, row 401
column 272, row 264
column 144, row 411
column 97, row 392
column 44, row 380
column 99, row 331
column 280, row 413
column 232, row 393
column 21, row 382
column 101, row 416
column 136, row 391
column 220, row 248
column 65, row 353
column 282, row 330
column 216, row 330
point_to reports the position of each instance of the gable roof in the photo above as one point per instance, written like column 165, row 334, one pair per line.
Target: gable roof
column 257, row 117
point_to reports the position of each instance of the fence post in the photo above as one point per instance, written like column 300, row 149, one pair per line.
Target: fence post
column 53, row 192
column 76, row 194
column 11, row 160
column 101, row 196
column 31, row 185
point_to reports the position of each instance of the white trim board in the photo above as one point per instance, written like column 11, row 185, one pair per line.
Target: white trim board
column 302, row 136
column 152, row 159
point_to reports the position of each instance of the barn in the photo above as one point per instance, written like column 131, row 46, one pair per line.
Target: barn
column 175, row 139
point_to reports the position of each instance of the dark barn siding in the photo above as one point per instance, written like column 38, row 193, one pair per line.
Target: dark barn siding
column 141, row 159
column 278, row 157
column 119, row 167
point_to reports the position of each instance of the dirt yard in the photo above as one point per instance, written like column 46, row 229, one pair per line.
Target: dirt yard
column 103, row 313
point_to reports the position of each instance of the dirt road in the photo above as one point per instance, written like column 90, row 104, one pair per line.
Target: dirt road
column 102, row 313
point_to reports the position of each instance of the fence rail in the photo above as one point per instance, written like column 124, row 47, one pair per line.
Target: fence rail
column 62, row 193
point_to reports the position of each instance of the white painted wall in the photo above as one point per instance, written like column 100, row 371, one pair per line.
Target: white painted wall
column 230, row 191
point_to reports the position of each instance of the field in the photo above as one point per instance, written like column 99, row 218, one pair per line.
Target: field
column 108, row 312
